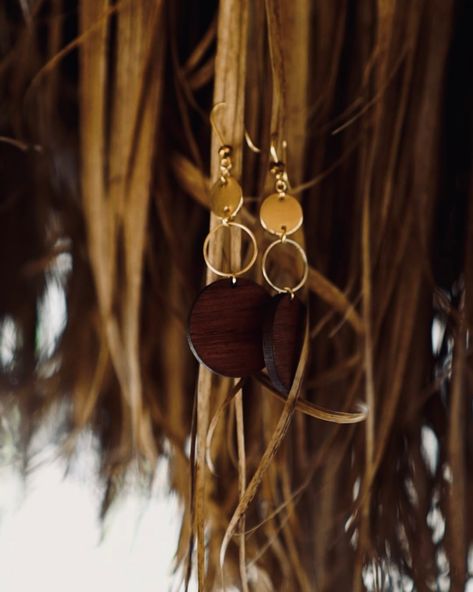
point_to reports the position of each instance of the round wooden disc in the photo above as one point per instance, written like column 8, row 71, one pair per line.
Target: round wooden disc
column 225, row 329
column 226, row 198
column 278, row 212
column 283, row 334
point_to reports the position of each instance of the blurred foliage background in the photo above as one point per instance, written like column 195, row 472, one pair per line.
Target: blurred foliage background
column 106, row 159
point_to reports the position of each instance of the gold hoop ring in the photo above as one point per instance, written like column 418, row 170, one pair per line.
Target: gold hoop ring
column 304, row 260
column 231, row 274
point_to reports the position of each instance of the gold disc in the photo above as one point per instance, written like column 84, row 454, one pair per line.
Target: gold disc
column 226, row 198
column 281, row 214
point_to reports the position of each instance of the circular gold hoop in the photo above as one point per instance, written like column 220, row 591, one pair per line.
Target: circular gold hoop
column 304, row 260
column 230, row 274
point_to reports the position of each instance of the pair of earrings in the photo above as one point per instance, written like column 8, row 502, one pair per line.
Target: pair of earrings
column 235, row 327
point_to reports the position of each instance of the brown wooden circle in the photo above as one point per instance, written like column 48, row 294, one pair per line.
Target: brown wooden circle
column 225, row 329
column 283, row 334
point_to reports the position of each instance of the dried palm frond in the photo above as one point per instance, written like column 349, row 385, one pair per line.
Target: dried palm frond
column 107, row 157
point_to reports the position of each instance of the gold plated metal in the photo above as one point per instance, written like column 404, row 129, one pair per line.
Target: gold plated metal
column 226, row 198
column 251, row 145
column 281, row 214
column 273, row 150
column 247, row 267
column 300, row 250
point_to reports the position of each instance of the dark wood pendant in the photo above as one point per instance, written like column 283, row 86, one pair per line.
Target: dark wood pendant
column 283, row 335
column 225, row 330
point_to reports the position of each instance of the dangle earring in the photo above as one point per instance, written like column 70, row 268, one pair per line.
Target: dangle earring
column 225, row 323
column 284, row 323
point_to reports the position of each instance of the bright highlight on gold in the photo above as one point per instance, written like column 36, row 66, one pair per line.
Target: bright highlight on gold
column 226, row 198
column 281, row 214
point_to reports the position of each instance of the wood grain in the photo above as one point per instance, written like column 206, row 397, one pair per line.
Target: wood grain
column 225, row 329
column 283, row 333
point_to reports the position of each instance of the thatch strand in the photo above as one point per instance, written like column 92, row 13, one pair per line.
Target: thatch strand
column 360, row 478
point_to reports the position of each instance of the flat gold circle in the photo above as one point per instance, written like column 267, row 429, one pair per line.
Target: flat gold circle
column 226, row 198
column 305, row 273
column 230, row 274
column 281, row 214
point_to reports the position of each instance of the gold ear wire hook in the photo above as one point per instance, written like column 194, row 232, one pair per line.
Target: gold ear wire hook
column 213, row 122
column 278, row 166
column 251, row 145
column 273, row 151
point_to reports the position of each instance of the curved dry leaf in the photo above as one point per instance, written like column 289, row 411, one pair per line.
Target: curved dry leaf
column 270, row 452
column 313, row 410
column 216, row 418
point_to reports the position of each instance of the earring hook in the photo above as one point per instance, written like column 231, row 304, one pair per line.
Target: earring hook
column 273, row 150
column 251, row 145
column 213, row 121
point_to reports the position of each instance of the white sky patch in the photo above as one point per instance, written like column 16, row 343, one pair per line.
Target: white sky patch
column 8, row 341
column 52, row 316
column 438, row 331
column 51, row 538
column 52, row 308
column 50, row 535
column 429, row 448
